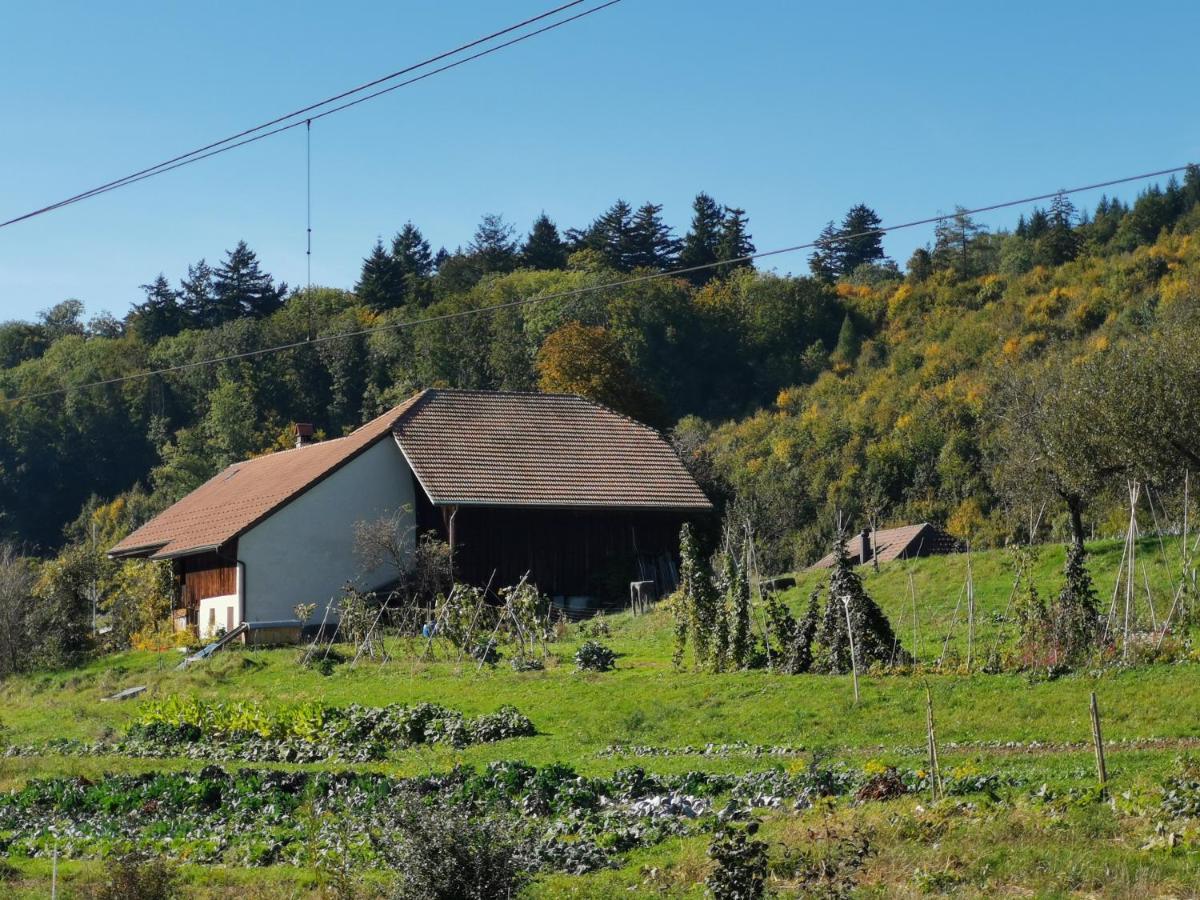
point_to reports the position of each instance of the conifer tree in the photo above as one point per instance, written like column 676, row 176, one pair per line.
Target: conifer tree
column 650, row 244
column 196, row 296
column 874, row 640
column 494, row 247
column 735, row 243
column 846, row 349
column 861, row 241
column 412, row 265
column 161, row 314
column 701, row 245
column 378, row 288
column 544, row 248
column 241, row 288
column 823, row 262
column 1060, row 243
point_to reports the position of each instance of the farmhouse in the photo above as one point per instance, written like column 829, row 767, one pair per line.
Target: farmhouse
column 581, row 498
column 903, row 542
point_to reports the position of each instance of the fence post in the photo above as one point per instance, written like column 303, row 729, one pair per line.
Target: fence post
column 1098, row 741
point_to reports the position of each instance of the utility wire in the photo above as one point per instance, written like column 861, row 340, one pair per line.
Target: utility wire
column 575, row 292
column 216, row 147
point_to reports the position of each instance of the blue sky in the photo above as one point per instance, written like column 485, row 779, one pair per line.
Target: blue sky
column 793, row 111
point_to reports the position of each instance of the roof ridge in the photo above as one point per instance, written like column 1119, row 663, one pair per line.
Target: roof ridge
column 549, row 394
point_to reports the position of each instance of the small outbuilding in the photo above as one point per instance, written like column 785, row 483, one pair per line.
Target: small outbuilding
column 904, row 542
column 582, row 499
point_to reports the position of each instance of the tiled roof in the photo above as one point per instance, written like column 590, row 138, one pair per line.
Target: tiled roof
column 498, row 448
column 465, row 447
column 246, row 492
column 923, row 539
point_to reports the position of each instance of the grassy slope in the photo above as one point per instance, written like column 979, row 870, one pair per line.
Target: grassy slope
column 645, row 702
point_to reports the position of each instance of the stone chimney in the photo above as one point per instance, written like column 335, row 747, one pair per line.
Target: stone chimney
column 304, row 434
column 864, row 547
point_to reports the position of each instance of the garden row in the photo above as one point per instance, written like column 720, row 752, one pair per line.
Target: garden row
column 310, row 732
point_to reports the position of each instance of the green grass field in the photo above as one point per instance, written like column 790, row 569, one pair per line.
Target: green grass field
column 986, row 724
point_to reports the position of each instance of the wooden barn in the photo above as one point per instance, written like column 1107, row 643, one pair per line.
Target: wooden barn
column 580, row 498
column 904, row 542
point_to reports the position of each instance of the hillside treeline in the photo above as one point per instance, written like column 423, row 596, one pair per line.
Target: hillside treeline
column 997, row 380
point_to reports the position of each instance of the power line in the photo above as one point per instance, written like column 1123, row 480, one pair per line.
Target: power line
column 575, row 292
column 248, row 135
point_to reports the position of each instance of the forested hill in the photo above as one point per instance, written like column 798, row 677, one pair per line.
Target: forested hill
column 994, row 374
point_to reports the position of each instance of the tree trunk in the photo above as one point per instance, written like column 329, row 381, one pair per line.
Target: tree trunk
column 1075, row 506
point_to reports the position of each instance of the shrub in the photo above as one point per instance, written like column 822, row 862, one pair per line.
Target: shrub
column 138, row 878
column 593, row 656
column 451, row 852
column 741, row 872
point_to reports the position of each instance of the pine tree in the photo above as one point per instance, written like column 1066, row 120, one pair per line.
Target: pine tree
column 824, row 261
column 196, row 296
column 161, row 315
column 735, row 243
column 874, row 640
column 412, row 264
column 494, row 246
column 241, row 288
column 861, row 241
column 702, row 244
column 544, row 248
column 378, row 288
column 954, row 244
column 650, row 244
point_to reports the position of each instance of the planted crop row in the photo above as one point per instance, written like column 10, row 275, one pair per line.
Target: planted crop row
column 311, row 732
column 568, row 822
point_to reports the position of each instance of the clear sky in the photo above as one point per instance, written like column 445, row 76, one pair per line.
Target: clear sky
column 792, row 110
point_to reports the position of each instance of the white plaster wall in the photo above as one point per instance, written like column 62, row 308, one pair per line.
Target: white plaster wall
column 214, row 614
column 304, row 553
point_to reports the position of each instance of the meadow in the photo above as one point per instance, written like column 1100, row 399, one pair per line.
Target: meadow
column 1027, row 815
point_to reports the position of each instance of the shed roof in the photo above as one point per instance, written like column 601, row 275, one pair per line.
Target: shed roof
column 922, row 539
column 490, row 448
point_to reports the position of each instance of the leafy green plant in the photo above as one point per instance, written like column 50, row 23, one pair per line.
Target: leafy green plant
column 593, row 656
column 741, row 863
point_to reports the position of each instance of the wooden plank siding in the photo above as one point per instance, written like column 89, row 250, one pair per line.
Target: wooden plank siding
column 204, row 575
column 566, row 552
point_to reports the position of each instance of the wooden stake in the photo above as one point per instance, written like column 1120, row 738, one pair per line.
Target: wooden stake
column 912, row 593
column 970, row 612
column 935, row 775
column 1098, row 740
column 853, row 660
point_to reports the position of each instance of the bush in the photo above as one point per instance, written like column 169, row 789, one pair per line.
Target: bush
column 741, row 872
column 137, row 878
column 456, row 853
column 593, row 656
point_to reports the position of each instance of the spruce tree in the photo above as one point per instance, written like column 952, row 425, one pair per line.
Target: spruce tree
column 874, row 640
column 610, row 234
column 1060, row 243
column 701, row 245
column 412, row 265
column 861, row 241
column 735, row 242
column 544, row 248
column 823, row 262
column 650, row 244
column 196, row 296
column 161, row 314
column 494, row 247
column 378, row 288
column 241, row 288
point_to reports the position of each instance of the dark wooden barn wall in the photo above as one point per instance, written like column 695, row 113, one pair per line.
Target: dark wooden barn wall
column 566, row 552
column 206, row 575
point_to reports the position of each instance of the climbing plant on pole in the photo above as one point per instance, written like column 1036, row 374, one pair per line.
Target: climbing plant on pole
column 849, row 602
